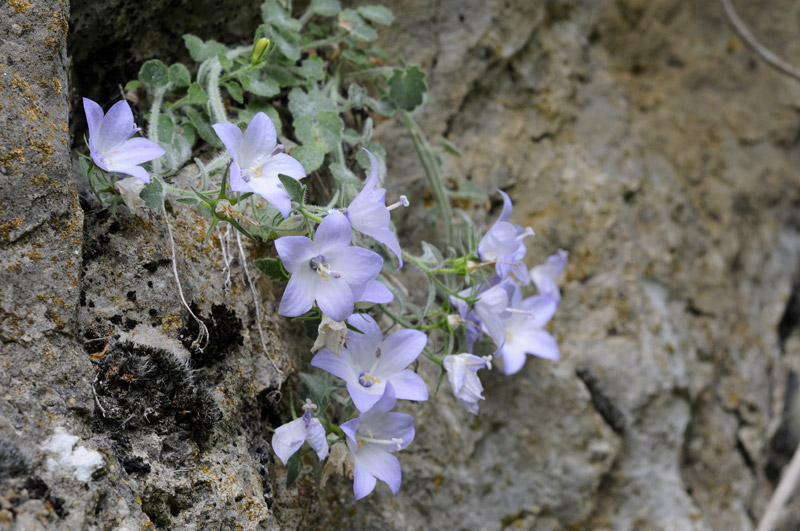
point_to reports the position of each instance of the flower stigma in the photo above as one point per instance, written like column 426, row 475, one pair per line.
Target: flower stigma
column 320, row 264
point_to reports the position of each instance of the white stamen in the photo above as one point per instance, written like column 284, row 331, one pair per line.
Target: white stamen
column 488, row 360
column 395, row 441
column 523, row 312
column 527, row 232
column 403, row 202
column 309, row 405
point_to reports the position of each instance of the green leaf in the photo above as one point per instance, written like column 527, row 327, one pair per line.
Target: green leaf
column 467, row 190
column 325, row 8
column 302, row 103
column 154, row 74
column 296, row 190
column 311, row 157
column 312, row 69
column 356, row 56
column 166, row 128
column 152, row 194
column 384, row 106
column 245, row 116
column 235, row 90
column 272, row 267
column 202, row 126
column 295, row 465
column 281, row 75
column 377, row 14
column 266, row 88
column 325, row 132
column 179, row 75
column 359, row 28
column 276, row 15
column 450, row 147
column 187, row 200
column 342, row 173
column 287, row 44
column 197, row 95
column 133, row 85
column 406, row 87
column 224, row 61
column 199, row 50
column 355, row 95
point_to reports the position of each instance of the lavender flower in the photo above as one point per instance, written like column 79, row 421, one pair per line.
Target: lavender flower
column 326, row 269
column 110, row 144
column 373, row 291
column 257, row 161
column 524, row 322
column 371, row 438
column 291, row 436
column 369, row 214
column 485, row 314
column 503, row 244
column 462, row 373
column 544, row 275
column 369, row 364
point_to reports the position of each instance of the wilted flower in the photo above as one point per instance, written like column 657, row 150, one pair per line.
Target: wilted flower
column 110, row 144
column 371, row 439
column 368, row 363
column 462, row 373
column 326, row 269
column 291, row 436
column 368, row 212
column 129, row 189
column 503, row 245
column 330, row 335
column 257, row 161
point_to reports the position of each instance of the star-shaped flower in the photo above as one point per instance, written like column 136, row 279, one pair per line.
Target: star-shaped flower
column 326, row 270
column 503, row 245
column 462, row 373
column 288, row 438
column 369, row 214
column 258, row 159
column 110, row 144
column 524, row 322
column 372, row 438
column 368, row 363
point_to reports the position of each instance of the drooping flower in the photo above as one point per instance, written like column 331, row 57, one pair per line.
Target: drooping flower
column 462, row 372
column 485, row 313
column 326, row 270
column 258, row 159
column 503, row 245
column 372, row 438
column 544, row 275
column 369, row 214
column 288, row 438
column 524, row 322
column 369, row 364
column 110, row 144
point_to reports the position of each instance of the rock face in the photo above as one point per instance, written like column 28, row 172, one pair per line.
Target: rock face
column 642, row 137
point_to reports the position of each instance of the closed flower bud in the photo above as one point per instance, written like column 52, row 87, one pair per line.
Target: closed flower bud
column 260, row 49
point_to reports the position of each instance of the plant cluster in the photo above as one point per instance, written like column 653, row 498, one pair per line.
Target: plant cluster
column 302, row 100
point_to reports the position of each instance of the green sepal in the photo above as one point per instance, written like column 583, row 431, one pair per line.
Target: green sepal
column 272, row 267
column 296, row 190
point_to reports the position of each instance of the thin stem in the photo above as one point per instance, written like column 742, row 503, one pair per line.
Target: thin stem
column 368, row 71
column 214, row 97
column 431, row 273
column 256, row 303
column 431, row 168
column 324, row 42
column 242, row 70
column 781, row 495
column 152, row 133
column 399, row 320
column 766, row 54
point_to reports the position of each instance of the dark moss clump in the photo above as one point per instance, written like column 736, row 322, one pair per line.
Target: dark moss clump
column 140, row 387
column 224, row 330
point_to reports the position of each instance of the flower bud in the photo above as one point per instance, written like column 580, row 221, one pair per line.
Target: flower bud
column 260, row 49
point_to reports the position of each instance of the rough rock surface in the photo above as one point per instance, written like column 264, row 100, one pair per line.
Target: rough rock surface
column 642, row 137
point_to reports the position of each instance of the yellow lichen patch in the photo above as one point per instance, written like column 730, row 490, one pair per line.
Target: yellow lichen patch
column 172, row 322
column 40, row 179
column 53, row 44
column 15, row 155
column 56, row 84
column 32, row 113
column 6, row 228
column 20, row 6
column 18, row 83
column 44, row 148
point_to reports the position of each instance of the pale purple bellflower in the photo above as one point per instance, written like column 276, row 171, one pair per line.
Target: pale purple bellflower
column 258, row 159
column 372, row 438
column 326, row 270
column 369, row 214
column 503, row 245
column 110, row 144
column 485, row 314
column 369, row 364
column 524, row 321
column 291, row 436
column 544, row 275
column 462, row 373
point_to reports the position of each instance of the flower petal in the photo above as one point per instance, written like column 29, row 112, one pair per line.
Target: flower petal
column 387, row 237
column 289, row 438
column 362, row 347
column 372, row 177
column 349, row 428
column 505, row 215
column 283, row 164
column 134, row 152
column 399, row 350
column 363, row 481
column 356, row 265
column 389, row 425
column 259, row 140
column 373, row 291
column 94, row 116
column 271, row 190
column 316, row 438
column 334, row 231
column 136, row 171
column 336, row 365
column 379, row 463
column 231, row 137
column 409, row 386
column 238, row 184
column 295, row 252
column 542, row 308
column 299, row 295
column 334, row 298
column 117, row 126
column 365, row 398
